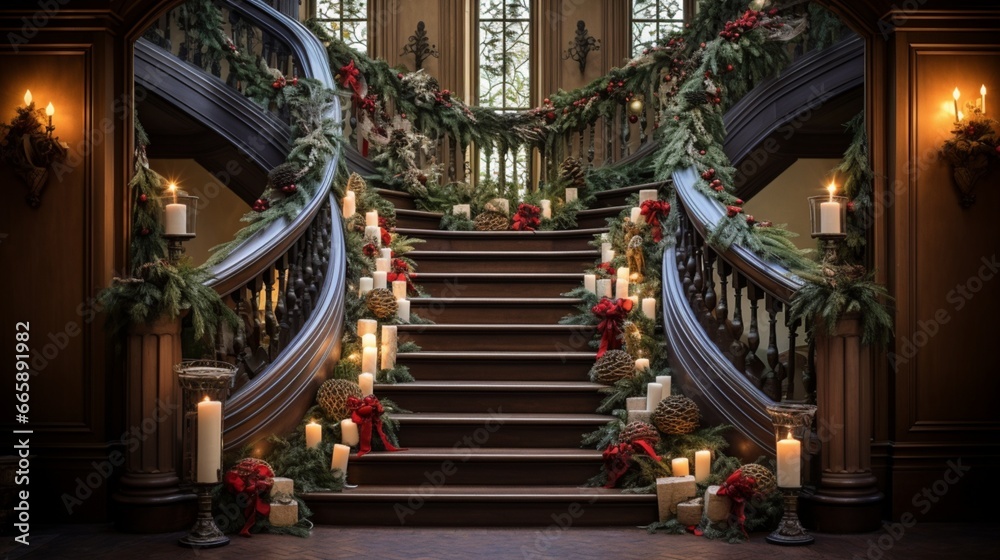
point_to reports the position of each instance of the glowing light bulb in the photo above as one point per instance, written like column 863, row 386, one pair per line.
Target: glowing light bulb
column 27, row 97
column 956, row 94
column 50, row 110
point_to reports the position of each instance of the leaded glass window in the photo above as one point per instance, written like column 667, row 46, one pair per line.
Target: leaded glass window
column 504, row 76
column 653, row 21
column 347, row 20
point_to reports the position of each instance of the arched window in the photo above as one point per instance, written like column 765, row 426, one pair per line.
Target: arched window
column 654, row 20
column 347, row 19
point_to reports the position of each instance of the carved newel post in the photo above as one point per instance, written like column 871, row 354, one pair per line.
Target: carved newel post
column 846, row 498
column 149, row 498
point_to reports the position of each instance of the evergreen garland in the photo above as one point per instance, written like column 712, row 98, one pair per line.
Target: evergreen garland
column 826, row 299
column 859, row 181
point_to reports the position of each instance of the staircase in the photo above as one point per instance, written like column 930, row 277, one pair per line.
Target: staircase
column 501, row 397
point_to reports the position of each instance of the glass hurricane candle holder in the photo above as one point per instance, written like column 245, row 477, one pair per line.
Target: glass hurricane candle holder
column 179, row 216
column 792, row 424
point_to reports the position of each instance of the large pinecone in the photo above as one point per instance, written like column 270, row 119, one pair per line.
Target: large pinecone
column 635, row 431
column 764, row 480
column 282, row 176
column 332, row 397
column 492, row 221
column 612, row 366
column 571, row 173
column 381, row 303
column 676, row 415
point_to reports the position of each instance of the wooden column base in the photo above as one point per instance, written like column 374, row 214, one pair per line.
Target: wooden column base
column 845, row 503
column 151, row 513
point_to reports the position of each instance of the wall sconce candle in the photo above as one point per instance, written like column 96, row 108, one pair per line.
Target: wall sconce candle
column 29, row 148
column 956, row 94
column 982, row 99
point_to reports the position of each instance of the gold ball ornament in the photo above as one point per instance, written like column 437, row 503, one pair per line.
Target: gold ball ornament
column 676, row 415
column 332, row 397
column 636, row 106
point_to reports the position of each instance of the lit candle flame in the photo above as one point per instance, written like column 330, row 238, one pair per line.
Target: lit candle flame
column 790, row 433
column 982, row 89
column 832, row 187
column 956, row 94
column 958, row 114
column 206, row 399
column 173, row 191
column 961, row 116
column 982, row 92
column 50, row 110
column 27, row 97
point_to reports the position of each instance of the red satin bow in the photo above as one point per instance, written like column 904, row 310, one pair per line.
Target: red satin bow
column 654, row 211
column 527, row 217
column 618, row 458
column 349, row 78
column 251, row 478
column 367, row 413
column 739, row 488
column 611, row 313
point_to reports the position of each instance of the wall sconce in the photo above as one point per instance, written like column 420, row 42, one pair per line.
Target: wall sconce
column 179, row 218
column 28, row 147
column 420, row 47
column 581, row 46
column 974, row 146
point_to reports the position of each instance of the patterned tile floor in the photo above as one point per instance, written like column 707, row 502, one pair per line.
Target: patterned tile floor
column 927, row 540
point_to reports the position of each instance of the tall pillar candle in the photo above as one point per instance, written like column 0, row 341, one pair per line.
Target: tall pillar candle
column 829, row 217
column 462, row 210
column 367, row 383
column 641, row 365
column 350, row 204
column 654, row 394
column 314, row 434
column 385, row 253
column 571, row 194
column 646, row 194
column 622, row 273
column 607, row 256
column 546, row 209
column 389, row 345
column 680, row 467
column 621, row 289
column 604, row 288
column 371, row 219
column 366, row 326
column 382, row 265
column 368, row 340
column 365, row 285
column 789, row 457
column 403, row 310
column 702, row 465
column 373, row 234
column 176, row 219
column 349, row 432
column 649, row 307
column 369, row 359
column 378, row 278
column 399, row 289
column 209, row 456
column 340, row 454
column 665, row 381
column 590, row 283
column 634, row 214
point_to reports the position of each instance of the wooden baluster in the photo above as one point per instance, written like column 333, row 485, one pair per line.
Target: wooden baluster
column 686, row 276
column 772, row 387
column 240, row 336
column 609, row 135
column 626, row 132
column 698, row 280
column 690, row 265
column 809, row 373
column 307, row 276
column 737, row 348
column 270, row 321
column 722, row 308
column 299, row 286
column 753, row 365
column 256, row 326
column 790, row 365
column 513, row 168
column 590, row 147
column 452, row 159
column 281, row 310
column 579, row 153
column 709, row 293
column 642, row 126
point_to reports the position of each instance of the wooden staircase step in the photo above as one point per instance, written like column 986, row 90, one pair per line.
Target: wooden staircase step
column 494, row 310
column 597, row 217
column 495, row 284
column 496, row 428
column 441, row 240
column 476, row 466
column 564, row 397
column 530, row 337
column 482, row 506
column 417, row 219
column 401, row 200
column 504, row 261
column 494, row 366
column 618, row 197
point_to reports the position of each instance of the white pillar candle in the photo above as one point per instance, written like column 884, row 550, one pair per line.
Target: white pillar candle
column 378, row 280
column 646, row 194
column 349, row 432
column 340, row 454
column 829, row 217
column 403, row 310
column 367, row 326
column 373, row 234
column 371, row 219
column 368, row 340
column 399, row 289
column 982, row 99
column 546, row 208
column 590, row 283
column 634, row 214
column 385, row 253
column 622, row 273
column 621, row 289
column 209, row 456
column 389, row 343
column 367, row 383
column 350, row 204
column 365, row 285
column 789, row 455
column 382, row 265
column 654, row 394
column 665, row 381
column 462, row 210
column 571, row 194
column 369, row 360
column 176, row 219
column 679, row 466
column 641, row 364
column 314, row 434
column 635, row 301
column 649, row 307
column 607, row 256
column 604, row 287
column 635, row 403
column 702, row 465
column 389, row 335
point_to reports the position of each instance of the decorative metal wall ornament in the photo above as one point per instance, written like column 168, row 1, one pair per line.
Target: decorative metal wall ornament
column 581, row 46
column 28, row 147
column 419, row 46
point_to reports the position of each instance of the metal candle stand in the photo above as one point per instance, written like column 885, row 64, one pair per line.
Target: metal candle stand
column 199, row 378
column 796, row 419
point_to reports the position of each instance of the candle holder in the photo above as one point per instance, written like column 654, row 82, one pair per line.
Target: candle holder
column 827, row 223
column 178, row 214
column 790, row 420
column 200, row 378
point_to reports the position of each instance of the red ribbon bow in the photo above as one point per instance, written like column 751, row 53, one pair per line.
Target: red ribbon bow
column 252, row 478
column 349, row 78
column 618, row 458
column 367, row 413
column 739, row 488
column 611, row 313
column 400, row 271
column 654, row 211
column 527, row 217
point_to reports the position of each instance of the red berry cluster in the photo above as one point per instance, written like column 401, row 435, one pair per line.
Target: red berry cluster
column 751, row 19
column 443, row 97
column 709, row 175
column 732, row 210
column 751, row 220
column 143, row 198
column 261, row 204
column 279, row 83
column 289, row 189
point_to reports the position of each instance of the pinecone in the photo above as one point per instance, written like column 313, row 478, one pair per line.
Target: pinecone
column 676, row 415
column 612, row 366
column 571, row 173
column 332, row 397
column 492, row 221
column 356, row 183
column 635, row 431
column 282, row 176
column 764, row 480
column 382, row 303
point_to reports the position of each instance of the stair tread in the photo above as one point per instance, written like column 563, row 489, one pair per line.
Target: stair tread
column 488, row 327
column 527, row 386
column 494, row 300
column 611, row 193
column 424, row 276
column 506, row 417
column 511, row 234
column 409, row 212
column 496, row 355
column 607, row 210
column 471, row 454
column 476, row 493
column 480, row 255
